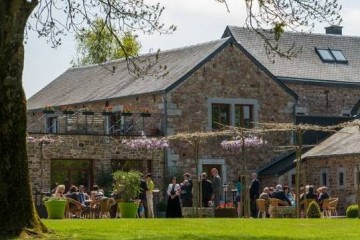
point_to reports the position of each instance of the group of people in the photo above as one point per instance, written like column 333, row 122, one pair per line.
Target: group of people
column 286, row 196
column 180, row 195
column 84, row 201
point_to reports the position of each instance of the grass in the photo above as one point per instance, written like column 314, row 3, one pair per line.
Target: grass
column 208, row 228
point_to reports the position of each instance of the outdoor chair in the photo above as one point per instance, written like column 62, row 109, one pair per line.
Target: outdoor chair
column 261, row 204
column 331, row 209
column 105, row 205
column 72, row 208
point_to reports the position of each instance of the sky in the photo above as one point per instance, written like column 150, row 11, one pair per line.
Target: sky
column 197, row 21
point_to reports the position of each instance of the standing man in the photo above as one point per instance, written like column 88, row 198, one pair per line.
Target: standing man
column 206, row 191
column 216, row 184
column 142, row 195
column 186, row 191
column 254, row 194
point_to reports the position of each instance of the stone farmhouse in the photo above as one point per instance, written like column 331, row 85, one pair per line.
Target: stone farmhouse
column 229, row 81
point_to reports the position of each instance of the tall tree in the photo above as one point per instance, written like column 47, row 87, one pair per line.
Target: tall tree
column 98, row 45
column 55, row 18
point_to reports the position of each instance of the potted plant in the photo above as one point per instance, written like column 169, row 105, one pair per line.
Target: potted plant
column 126, row 111
column 48, row 110
column 144, row 112
column 87, row 111
column 55, row 207
column 107, row 111
column 68, row 110
column 127, row 187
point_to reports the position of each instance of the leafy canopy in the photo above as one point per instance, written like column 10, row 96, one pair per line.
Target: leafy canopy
column 99, row 44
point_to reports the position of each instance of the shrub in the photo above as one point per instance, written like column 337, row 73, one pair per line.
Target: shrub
column 313, row 210
column 352, row 211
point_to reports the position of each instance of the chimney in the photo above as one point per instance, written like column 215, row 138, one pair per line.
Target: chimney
column 334, row 29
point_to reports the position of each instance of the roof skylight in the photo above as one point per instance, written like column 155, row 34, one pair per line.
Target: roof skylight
column 331, row 55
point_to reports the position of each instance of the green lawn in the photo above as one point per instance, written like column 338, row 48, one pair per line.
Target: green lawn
column 209, row 228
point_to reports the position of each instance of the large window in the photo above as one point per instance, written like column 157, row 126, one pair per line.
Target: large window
column 224, row 115
column 71, row 172
column 220, row 115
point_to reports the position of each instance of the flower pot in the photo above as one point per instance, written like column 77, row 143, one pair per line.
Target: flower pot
column 128, row 209
column 126, row 114
column 68, row 112
column 88, row 113
column 55, row 209
column 145, row 114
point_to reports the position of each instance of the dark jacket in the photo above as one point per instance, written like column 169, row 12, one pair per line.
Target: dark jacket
column 279, row 194
column 254, row 189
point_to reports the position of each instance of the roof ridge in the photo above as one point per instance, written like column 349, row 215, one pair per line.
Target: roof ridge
column 301, row 33
column 153, row 53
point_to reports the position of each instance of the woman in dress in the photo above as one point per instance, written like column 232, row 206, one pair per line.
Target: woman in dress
column 173, row 209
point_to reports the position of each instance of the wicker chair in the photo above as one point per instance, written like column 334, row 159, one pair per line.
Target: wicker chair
column 331, row 209
column 261, row 204
column 105, row 205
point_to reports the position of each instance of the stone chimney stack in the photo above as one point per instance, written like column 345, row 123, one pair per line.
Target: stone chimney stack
column 334, row 29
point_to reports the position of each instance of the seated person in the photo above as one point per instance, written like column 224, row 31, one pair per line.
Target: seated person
column 265, row 195
column 322, row 196
column 309, row 193
column 82, row 195
column 59, row 191
column 279, row 194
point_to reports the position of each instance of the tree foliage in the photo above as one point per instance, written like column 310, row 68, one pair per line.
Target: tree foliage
column 98, row 45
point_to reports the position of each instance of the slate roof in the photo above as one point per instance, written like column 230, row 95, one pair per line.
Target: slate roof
column 95, row 82
column 307, row 66
column 344, row 142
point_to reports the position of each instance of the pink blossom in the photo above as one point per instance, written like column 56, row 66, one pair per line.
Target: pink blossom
column 147, row 143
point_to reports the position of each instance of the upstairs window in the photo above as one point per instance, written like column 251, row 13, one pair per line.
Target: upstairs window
column 220, row 115
column 331, row 55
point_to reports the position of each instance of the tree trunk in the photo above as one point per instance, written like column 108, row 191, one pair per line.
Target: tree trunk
column 17, row 209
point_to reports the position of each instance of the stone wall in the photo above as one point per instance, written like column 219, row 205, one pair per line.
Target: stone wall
column 230, row 75
column 100, row 149
column 325, row 100
column 333, row 165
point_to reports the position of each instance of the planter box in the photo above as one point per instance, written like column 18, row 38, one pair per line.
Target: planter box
column 48, row 111
column 145, row 114
column 126, row 114
column 225, row 213
column 88, row 113
column 68, row 112
column 193, row 212
column 55, row 209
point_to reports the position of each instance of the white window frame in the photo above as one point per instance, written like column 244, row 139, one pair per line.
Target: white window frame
column 232, row 102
